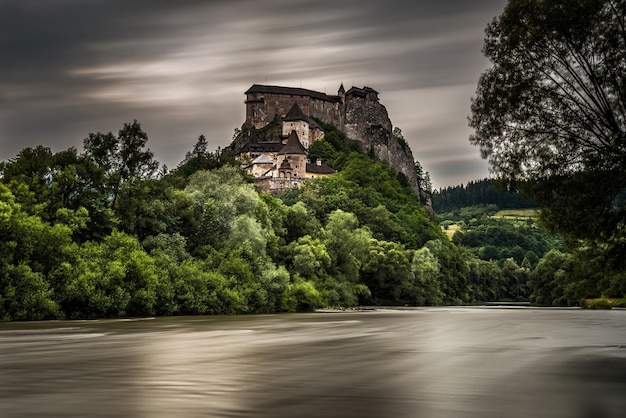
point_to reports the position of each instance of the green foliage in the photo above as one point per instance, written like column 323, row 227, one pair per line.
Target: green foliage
column 600, row 303
column 388, row 274
column 481, row 193
column 426, row 269
column 309, row 258
column 323, row 150
column 338, row 140
column 549, row 114
column 25, row 295
column 499, row 239
column 303, row 297
column 398, row 136
column 121, row 159
column 97, row 235
column 200, row 158
column 346, row 244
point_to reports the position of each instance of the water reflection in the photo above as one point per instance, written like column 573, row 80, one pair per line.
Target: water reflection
column 440, row 362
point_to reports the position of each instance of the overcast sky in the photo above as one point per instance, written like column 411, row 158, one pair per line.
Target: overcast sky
column 71, row 67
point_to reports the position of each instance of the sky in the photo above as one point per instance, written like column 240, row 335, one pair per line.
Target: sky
column 180, row 68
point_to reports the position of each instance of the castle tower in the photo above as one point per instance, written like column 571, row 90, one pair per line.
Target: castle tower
column 295, row 120
column 292, row 157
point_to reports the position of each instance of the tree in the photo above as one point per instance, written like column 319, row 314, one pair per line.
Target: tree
column 550, row 114
column 309, row 258
column 323, row 151
column 426, row 268
column 387, row 273
column 347, row 244
column 398, row 136
column 123, row 158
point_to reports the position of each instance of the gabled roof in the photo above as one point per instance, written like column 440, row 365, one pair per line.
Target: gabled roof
column 295, row 113
column 319, row 169
column 293, row 145
column 262, row 159
column 259, row 88
column 263, row 147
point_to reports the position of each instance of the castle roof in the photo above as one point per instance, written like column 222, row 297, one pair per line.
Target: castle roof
column 362, row 92
column 293, row 145
column 295, row 113
column 285, row 165
column 262, row 159
column 318, row 169
column 259, row 88
column 262, row 147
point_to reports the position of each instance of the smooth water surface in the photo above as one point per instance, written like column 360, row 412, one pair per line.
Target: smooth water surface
column 437, row 362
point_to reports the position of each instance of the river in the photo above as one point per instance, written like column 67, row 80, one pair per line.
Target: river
column 431, row 362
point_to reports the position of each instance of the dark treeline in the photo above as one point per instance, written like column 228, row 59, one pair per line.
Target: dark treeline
column 475, row 193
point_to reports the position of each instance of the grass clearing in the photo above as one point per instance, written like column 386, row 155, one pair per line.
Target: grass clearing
column 518, row 214
column 451, row 229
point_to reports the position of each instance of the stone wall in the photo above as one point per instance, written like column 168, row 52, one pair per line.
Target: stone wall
column 302, row 130
column 262, row 107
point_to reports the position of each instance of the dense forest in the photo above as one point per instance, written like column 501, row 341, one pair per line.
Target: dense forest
column 480, row 192
column 107, row 232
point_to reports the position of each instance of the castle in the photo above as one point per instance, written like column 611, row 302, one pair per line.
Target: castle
column 281, row 161
column 263, row 103
column 278, row 159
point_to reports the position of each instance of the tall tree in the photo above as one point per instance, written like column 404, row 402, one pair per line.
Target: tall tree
column 122, row 159
column 551, row 111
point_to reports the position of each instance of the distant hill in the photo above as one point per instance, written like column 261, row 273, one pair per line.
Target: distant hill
column 479, row 192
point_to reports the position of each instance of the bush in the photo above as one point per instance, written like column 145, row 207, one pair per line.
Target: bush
column 600, row 303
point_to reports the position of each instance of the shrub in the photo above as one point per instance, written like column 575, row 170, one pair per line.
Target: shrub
column 600, row 303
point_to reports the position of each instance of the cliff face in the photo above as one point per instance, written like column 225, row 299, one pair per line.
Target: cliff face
column 367, row 122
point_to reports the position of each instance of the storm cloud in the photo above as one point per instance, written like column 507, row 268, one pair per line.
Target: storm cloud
column 70, row 67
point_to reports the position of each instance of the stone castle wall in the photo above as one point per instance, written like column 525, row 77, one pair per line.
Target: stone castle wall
column 261, row 108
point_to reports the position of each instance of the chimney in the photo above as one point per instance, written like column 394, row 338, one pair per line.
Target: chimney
column 318, row 162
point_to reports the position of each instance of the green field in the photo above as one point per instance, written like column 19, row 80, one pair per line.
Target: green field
column 518, row 214
column 451, row 229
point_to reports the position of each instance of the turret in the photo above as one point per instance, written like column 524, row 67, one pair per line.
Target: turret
column 342, row 93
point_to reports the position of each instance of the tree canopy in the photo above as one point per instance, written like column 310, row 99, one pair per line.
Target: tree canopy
column 550, row 114
column 99, row 234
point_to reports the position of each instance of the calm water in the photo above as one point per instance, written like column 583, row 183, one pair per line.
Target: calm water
column 439, row 362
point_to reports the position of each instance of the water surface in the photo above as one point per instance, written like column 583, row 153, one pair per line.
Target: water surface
column 436, row 362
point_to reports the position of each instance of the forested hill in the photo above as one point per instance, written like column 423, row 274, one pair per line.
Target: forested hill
column 103, row 232
column 476, row 193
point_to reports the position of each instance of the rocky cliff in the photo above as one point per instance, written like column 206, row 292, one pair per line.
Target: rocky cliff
column 367, row 121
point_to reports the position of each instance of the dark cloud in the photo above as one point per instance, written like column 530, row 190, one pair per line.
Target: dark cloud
column 71, row 67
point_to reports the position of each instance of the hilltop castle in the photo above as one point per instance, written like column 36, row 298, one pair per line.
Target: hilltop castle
column 278, row 159
column 263, row 103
